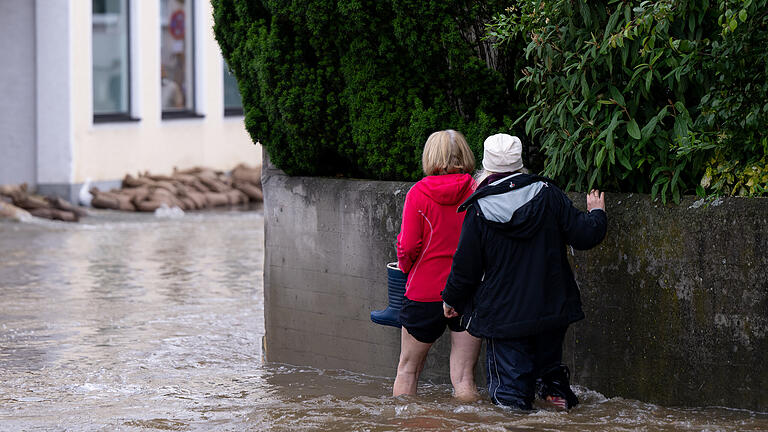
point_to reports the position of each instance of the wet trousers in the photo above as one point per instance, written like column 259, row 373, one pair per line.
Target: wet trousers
column 514, row 365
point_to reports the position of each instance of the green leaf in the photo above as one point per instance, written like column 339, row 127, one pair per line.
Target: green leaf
column 743, row 15
column 530, row 124
column 649, row 128
column 584, row 86
column 656, row 172
column 580, row 161
column 624, row 159
column 680, row 128
column 612, row 22
column 648, row 78
column 654, row 190
column 633, row 130
column 609, row 138
column 617, row 96
column 675, row 177
column 599, row 158
column 592, row 179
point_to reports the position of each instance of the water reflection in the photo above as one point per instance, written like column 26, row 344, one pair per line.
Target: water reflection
column 128, row 322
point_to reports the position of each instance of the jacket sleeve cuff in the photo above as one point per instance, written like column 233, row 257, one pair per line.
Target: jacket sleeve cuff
column 450, row 300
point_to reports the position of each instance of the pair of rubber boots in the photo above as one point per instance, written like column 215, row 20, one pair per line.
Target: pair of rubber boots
column 396, row 288
column 555, row 383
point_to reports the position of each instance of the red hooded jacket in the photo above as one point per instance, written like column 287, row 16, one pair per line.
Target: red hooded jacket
column 430, row 233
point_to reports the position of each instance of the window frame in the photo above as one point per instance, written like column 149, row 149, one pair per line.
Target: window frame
column 193, row 111
column 127, row 115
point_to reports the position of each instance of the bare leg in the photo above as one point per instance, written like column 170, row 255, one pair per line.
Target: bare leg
column 464, row 351
column 413, row 355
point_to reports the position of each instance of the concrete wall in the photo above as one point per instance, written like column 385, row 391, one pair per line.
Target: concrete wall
column 327, row 244
column 17, row 87
column 676, row 297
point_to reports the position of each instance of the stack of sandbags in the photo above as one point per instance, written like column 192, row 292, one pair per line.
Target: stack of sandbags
column 192, row 189
column 248, row 180
column 44, row 207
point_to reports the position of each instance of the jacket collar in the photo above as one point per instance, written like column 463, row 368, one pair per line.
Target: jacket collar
column 514, row 181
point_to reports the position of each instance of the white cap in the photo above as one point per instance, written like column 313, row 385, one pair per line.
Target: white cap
column 502, row 153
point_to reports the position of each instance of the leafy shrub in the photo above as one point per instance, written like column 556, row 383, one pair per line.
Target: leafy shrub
column 354, row 87
column 664, row 96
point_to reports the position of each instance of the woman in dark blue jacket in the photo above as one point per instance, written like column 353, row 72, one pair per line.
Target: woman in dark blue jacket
column 511, row 281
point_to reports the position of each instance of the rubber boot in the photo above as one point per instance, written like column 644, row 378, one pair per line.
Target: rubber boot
column 396, row 287
column 556, row 382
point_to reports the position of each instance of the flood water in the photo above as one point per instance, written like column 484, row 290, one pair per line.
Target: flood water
column 133, row 322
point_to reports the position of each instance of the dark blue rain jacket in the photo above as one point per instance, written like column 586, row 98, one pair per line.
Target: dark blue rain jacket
column 510, row 275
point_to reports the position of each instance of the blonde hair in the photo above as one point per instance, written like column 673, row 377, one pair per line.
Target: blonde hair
column 447, row 152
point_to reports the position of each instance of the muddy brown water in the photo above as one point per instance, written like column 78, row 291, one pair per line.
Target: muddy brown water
column 132, row 322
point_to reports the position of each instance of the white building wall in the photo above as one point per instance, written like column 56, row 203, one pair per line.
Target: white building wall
column 107, row 151
column 54, row 92
column 17, row 90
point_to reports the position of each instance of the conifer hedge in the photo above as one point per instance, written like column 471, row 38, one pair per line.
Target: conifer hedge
column 354, row 87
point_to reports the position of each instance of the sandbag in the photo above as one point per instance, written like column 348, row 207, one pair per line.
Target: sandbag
column 29, row 202
column 134, row 182
column 214, row 184
column 253, row 192
column 167, row 185
column 199, row 199
column 13, row 190
column 137, row 194
column 236, row 197
column 62, row 204
column 245, row 174
column 56, row 214
column 10, row 211
column 216, row 199
column 184, row 178
column 149, row 205
column 111, row 200
column 189, row 203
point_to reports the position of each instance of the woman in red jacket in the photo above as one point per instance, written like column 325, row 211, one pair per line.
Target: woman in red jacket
column 428, row 238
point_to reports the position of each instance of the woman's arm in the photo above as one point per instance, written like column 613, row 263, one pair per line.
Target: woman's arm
column 409, row 240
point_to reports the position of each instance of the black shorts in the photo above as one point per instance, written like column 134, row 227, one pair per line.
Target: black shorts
column 425, row 320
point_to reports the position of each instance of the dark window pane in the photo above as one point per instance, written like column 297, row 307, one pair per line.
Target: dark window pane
column 176, row 55
column 110, row 57
column 232, row 100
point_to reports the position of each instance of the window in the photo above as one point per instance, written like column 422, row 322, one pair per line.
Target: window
column 177, row 58
column 111, row 58
column 233, row 104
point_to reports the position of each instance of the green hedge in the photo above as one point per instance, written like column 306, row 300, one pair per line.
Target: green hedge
column 353, row 88
column 666, row 97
